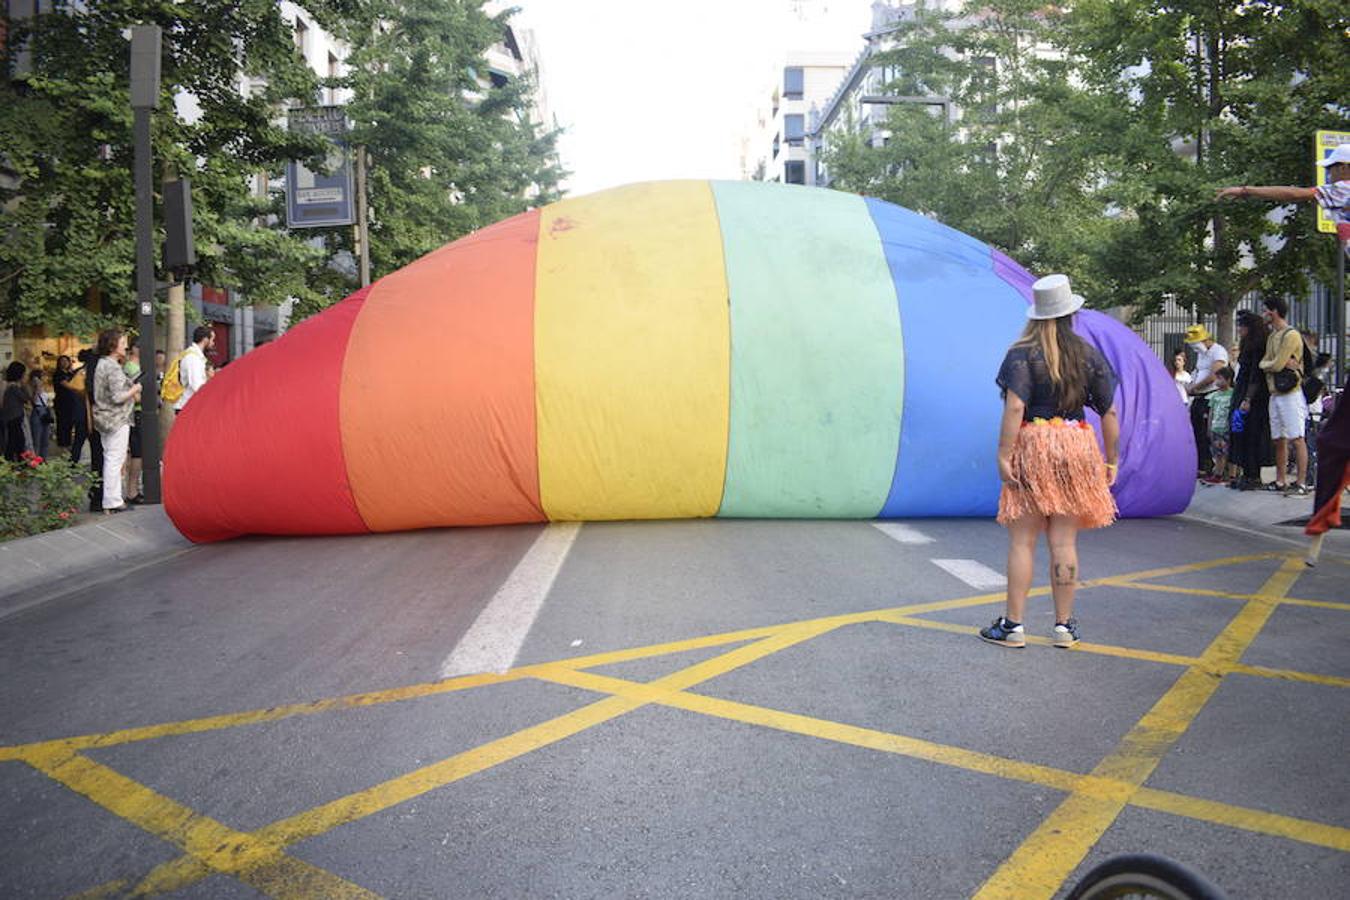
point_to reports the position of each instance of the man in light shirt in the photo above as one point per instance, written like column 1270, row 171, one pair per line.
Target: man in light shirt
column 192, row 365
column 1210, row 357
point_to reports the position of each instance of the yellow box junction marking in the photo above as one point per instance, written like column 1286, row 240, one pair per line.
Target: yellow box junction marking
column 1037, row 868
column 1050, row 854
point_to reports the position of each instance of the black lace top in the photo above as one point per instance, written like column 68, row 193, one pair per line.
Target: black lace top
column 1025, row 374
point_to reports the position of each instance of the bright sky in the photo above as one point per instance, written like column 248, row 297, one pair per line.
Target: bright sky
column 650, row 89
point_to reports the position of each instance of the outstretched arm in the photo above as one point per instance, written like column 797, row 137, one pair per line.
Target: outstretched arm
column 1278, row 193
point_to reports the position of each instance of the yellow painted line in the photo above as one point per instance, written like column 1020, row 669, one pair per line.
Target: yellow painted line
column 217, row 846
column 254, row 717
column 1316, row 604
column 1168, row 589
column 1203, row 592
column 176, row 874
column 819, row 728
column 1186, row 568
column 116, row 888
column 398, row 790
column 1093, row 787
column 1050, row 853
column 274, row 872
column 1171, row 659
column 1302, row 830
column 412, row 692
column 1288, row 675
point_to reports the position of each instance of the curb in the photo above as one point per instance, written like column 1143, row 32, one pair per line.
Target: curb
column 42, row 567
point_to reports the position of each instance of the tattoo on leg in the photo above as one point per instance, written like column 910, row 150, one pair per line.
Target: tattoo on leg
column 1065, row 573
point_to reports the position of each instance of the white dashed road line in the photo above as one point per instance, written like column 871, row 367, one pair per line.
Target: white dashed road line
column 973, row 573
column 496, row 636
column 905, row 534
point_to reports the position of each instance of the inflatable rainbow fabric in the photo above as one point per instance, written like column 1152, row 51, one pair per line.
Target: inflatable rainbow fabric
column 657, row 351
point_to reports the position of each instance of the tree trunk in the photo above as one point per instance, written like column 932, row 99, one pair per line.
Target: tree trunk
column 1224, row 331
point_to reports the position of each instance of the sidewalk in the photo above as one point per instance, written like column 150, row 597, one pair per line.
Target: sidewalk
column 1262, row 512
column 34, row 569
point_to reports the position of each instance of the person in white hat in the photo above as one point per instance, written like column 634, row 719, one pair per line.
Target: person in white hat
column 1054, row 477
column 1334, row 196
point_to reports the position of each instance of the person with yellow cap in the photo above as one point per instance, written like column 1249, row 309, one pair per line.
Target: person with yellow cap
column 1210, row 358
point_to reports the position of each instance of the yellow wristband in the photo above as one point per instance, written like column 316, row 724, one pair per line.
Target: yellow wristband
column 1112, row 466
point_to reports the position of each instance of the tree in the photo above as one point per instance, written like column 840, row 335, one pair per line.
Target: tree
column 1192, row 96
column 65, row 139
column 451, row 149
column 1001, row 167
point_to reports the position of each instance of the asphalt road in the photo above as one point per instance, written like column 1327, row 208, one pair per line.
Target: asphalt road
column 696, row 709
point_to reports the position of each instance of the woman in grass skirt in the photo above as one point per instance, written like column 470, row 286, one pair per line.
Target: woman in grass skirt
column 1054, row 478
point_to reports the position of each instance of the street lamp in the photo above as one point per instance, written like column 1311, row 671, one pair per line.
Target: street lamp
column 145, row 63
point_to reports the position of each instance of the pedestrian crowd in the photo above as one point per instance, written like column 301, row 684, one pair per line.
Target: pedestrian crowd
column 97, row 399
column 1256, row 405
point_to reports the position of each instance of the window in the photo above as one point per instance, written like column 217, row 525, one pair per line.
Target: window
column 301, row 36
column 794, row 129
column 498, row 79
column 332, row 73
column 793, row 83
column 794, row 172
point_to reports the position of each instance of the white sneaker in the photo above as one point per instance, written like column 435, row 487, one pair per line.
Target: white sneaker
column 1065, row 634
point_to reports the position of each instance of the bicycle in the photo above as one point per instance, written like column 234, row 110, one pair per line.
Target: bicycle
column 1144, row 876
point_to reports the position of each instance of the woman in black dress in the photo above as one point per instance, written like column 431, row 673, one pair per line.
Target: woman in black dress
column 1251, row 448
column 68, row 400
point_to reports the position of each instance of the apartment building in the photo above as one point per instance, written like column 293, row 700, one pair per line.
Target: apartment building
column 861, row 100
column 776, row 149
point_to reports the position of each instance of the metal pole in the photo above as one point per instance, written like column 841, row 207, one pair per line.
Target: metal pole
column 145, row 50
column 1338, row 309
column 362, row 220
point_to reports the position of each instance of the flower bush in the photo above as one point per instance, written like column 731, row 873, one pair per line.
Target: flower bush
column 38, row 495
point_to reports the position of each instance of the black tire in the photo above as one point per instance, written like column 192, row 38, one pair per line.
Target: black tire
column 1144, row 875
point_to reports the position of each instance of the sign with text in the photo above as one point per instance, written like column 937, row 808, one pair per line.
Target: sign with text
column 1326, row 142
column 313, row 199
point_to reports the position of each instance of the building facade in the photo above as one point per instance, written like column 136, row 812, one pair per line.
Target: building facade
column 777, row 148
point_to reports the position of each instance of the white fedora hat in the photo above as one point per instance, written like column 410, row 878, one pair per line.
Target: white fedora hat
column 1054, row 298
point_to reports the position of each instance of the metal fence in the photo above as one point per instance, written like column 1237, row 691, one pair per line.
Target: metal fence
column 1165, row 331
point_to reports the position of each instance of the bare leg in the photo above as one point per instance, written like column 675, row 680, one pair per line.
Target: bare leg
column 1063, row 540
column 1022, row 535
column 1281, row 461
column 1301, row 459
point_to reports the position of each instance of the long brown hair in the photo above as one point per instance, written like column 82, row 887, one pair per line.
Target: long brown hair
column 1065, row 356
column 1254, row 342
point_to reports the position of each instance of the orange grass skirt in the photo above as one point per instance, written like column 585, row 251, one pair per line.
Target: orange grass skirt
column 1061, row 473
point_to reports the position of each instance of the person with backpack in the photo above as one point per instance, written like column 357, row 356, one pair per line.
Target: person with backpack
column 187, row 373
column 1283, row 365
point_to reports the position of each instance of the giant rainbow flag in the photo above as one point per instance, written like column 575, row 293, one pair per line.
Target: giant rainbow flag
column 662, row 350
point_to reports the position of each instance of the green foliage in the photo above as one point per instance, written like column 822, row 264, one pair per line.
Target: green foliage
column 449, row 152
column 1076, row 151
column 443, row 164
column 38, row 495
column 1241, row 88
column 65, row 133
